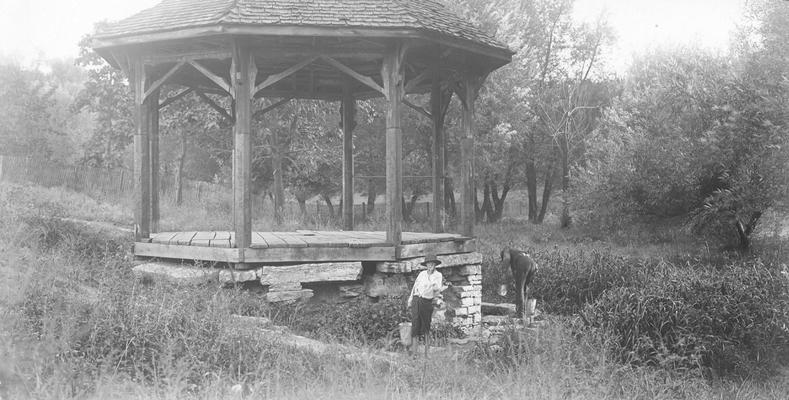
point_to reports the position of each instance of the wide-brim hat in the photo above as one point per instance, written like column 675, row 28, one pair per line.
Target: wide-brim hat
column 431, row 258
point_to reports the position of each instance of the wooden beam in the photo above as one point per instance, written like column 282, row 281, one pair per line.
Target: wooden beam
column 154, row 59
column 174, row 98
column 153, row 131
column 417, row 80
column 436, row 102
column 348, row 125
column 215, row 106
column 274, row 78
column 142, row 174
column 417, row 108
column 159, row 82
column 353, row 74
column 392, row 77
column 218, row 80
column 471, row 85
column 242, row 149
column 260, row 113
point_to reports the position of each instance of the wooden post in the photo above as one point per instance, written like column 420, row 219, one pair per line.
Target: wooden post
column 348, row 125
column 437, row 112
column 153, row 109
column 142, row 174
column 471, row 87
column 279, row 188
column 242, row 89
column 392, row 76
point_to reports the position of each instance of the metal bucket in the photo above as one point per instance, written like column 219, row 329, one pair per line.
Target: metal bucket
column 405, row 333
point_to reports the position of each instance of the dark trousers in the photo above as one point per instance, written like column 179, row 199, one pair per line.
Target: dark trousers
column 421, row 315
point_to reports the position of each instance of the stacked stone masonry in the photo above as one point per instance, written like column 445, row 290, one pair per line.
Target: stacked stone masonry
column 462, row 294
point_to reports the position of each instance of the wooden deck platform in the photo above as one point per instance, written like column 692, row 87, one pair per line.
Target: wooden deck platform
column 299, row 246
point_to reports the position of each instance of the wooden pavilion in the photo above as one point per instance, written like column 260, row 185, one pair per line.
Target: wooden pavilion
column 340, row 50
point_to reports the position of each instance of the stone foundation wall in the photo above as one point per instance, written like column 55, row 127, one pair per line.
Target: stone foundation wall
column 342, row 281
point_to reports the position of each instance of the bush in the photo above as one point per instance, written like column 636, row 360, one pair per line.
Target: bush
column 358, row 321
column 731, row 320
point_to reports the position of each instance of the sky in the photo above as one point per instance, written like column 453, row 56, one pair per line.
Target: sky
column 32, row 30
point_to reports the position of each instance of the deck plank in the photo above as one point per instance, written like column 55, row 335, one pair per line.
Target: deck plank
column 258, row 241
column 203, row 239
column 163, row 237
column 273, row 240
column 291, row 239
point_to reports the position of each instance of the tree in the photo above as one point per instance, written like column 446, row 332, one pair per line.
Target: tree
column 107, row 96
column 26, row 98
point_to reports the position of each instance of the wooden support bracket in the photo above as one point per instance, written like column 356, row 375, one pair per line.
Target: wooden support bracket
column 353, row 74
column 260, row 113
column 418, row 109
column 159, row 82
column 218, row 80
column 274, row 78
column 175, row 98
column 215, row 106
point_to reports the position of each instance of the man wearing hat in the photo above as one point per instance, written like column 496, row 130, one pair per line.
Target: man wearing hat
column 427, row 287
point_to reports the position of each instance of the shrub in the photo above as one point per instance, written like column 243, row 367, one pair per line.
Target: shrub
column 730, row 319
column 359, row 321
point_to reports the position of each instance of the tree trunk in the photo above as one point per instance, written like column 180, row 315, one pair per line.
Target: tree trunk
column 531, row 187
column 327, row 199
column 566, row 220
column 547, row 190
column 487, row 207
column 745, row 230
column 498, row 201
column 449, row 198
column 179, row 179
column 479, row 211
column 372, row 193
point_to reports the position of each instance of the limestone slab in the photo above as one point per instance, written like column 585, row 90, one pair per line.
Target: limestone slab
column 289, row 295
column 317, row 272
column 176, row 273
column 234, row 276
column 414, row 264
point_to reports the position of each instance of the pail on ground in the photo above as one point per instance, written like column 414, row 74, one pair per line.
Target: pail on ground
column 405, row 333
column 531, row 307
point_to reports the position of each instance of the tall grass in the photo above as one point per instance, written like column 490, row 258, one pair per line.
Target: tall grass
column 78, row 325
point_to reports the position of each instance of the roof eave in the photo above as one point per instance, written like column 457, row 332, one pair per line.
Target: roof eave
column 102, row 44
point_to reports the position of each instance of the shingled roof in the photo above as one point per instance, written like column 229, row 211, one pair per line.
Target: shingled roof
column 423, row 16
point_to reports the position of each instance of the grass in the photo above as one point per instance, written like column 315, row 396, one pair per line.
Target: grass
column 74, row 323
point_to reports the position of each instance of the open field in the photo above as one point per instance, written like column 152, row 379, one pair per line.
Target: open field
column 76, row 324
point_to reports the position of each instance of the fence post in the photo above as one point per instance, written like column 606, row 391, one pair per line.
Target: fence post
column 428, row 209
column 364, row 211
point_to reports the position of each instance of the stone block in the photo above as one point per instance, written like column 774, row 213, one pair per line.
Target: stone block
column 475, row 269
column 414, row 264
column 351, row 291
column 474, row 294
column 235, row 276
column 175, row 273
column 468, row 288
column 288, row 295
column 317, row 272
column 461, row 311
column 475, row 309
column 380, row 284
column 498, row 309
column 470, row 301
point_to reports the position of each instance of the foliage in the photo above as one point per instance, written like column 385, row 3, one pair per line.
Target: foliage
column 107, row 96
column 359, row 321
column 26, row 100
column 730, row 319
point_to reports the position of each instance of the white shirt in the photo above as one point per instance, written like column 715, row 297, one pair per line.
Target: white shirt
column 427, row 286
